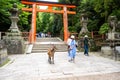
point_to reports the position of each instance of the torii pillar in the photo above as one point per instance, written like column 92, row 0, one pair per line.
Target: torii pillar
column 65, row 22
column 33, row 26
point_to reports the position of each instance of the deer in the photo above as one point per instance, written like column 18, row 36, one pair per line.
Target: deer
column 51, row 52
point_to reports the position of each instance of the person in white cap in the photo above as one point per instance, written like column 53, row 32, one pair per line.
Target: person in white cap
column 86, row 36
column 72, row 48
column 86, row 45
column 68, row 44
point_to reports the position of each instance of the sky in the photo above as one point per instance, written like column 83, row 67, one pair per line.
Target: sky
column 45, row 7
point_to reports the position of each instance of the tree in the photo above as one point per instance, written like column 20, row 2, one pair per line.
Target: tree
column 4, row 14
column 97, row 10
column 5, row 6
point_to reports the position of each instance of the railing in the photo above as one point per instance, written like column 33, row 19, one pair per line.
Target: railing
column 25, row 35
column 94, row 34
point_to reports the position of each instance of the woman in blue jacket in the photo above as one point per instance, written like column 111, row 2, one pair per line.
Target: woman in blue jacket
column 72, row 47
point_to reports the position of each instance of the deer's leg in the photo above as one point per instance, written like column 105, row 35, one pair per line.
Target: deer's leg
column 53, row 58
column 49, row 59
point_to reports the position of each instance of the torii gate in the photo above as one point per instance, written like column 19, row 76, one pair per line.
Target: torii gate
column 50, row 5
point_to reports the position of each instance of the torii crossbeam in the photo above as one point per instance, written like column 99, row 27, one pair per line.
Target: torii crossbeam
column 50, row 5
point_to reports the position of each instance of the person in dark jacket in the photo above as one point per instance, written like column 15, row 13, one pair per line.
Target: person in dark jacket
column 86, row 45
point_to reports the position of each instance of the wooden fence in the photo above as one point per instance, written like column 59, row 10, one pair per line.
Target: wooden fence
column 25, row 35
column 93, row 34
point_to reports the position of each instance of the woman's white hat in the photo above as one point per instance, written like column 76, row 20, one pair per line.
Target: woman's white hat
column 86, row 36
column 72, row 36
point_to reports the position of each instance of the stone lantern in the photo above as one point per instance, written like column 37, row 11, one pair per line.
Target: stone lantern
column 84, row 22
column 13, row 39
column 14, row 19
column 111, row 46
column 112, row 21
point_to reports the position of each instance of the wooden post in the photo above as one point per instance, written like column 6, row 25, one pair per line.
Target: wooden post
column 92, row 34
column 103, row 36
column 33, row 27
column 65, row 23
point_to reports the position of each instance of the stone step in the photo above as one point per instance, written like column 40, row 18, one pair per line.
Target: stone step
column 43, row 44
column 48, row 39
column 41, row 51
column 48, row 46
column 60, row 48
column 45, row 48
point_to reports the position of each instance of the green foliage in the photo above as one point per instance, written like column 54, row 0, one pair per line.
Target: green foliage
column 104, row 28
column 92, row 25
column 116, row 12
column 49, row 22
column 5, row 6
column 105, row 7
column 97, row 11
column 42, row 22
column 4, row 14
column 93, row 46
column 72, row 29
column 24, row 24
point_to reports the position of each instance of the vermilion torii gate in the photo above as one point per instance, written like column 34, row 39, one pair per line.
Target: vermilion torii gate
column 50, row 5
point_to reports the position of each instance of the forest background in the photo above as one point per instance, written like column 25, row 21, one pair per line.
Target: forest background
column 98, row 12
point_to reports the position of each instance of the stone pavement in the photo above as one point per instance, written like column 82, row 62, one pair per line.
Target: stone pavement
column 35, row 66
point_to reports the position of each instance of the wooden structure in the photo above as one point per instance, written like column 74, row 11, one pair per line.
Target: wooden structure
column 50, row 5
